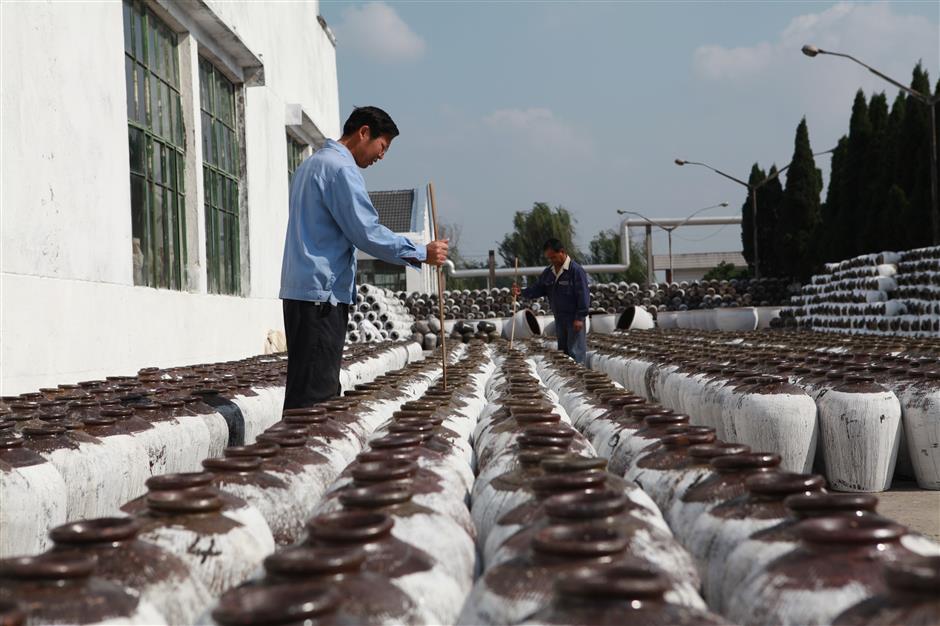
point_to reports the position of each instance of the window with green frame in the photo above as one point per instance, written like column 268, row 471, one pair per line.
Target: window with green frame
column 157, row 148
column 295, row 156
column 220, row 171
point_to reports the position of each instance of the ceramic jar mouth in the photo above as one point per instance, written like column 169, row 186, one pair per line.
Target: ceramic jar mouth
column 541, row 409
column 262, row 450
column 9, row 443
column 707, row 451
column 49, row 566
column 822, row 504
column 388, row 454
column 184, row 501
column 640, row 411
column 579, row 541
column 309, row 562
column 551, row 484
column 41, row 431
column 236, row 464
column 175, row 482
column 305, row 419
column 383, row 471
column 749, row 461
column 424, row 429
column 100, row 530
column 535, row 456
column 778, row 485
column 663, row 419
column 615, row 581
column 116, row 413
column 397, row 440
column 570, row 463
column 412, row 413
column 284, row 439
column 588, row 504
column 866, row 529
column 920, row 574
column 377, row 496
column 350, row 526
column 525, row 419
column 287, row 603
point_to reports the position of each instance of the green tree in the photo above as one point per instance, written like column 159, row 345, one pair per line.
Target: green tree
column 800, row 214
column 747, row 216
column 605, row 249
column 828, row 233
column 913, row 171
column 530, row 231
column 769, row 201
column 848, row 214
column 726, row 271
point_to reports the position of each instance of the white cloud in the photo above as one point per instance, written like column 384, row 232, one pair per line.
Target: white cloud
column 376, row 31
column 537, row 128
column 872, row 31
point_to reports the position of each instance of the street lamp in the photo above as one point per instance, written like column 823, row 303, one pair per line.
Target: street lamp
column 752, row 190
column 931, row 101
column 669, row 229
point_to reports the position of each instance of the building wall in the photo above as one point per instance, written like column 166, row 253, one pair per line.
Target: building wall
column 68, row 307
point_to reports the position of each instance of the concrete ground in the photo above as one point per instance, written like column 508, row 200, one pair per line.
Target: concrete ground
column 916, row 508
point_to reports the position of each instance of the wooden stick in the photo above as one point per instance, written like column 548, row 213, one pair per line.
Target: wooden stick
column 440, row 289
column 512, row 320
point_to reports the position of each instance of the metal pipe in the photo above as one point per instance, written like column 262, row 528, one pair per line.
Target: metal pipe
column 529, row 271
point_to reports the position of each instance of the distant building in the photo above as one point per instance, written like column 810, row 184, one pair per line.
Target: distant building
column 147, row 149
column 407, row 212
column 694, row 265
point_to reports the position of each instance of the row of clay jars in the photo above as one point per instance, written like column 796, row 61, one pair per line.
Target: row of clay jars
column 737, row 570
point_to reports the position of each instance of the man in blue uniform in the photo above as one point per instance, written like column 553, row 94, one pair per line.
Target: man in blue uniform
column 330, row 217
column 565, row 283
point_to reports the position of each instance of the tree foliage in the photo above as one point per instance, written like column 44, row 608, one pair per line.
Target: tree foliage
column 530, row 231
column 726, row 271
column 800, row 213
column 604, row 249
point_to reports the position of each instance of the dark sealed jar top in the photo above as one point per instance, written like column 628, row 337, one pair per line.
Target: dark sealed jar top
column 550, row 484
column 101, row 530
column 821, row 504
column 287, row 603
column 49, row 566
column 263, row 450
column 613, row 581
column 705, row 452
column 843, row 531
column 382, row 471
column 662, row 419
column 588, row 504
column 397, row 440
column 581, row 541
column 241, row 464
column 377, row 496
column 747, row 462
column 183, row 502
column 309, row 561
column 914, row 574
column 779, row 485
column 357, row 527
column 183, row 480
column 570, row 463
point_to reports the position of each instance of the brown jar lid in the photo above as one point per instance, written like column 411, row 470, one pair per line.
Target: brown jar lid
column 183, row 480
column 662, row 419
column 307, row 561
column 388, row 454
column 579, row 541
column 587, row 504
column 865, row 529
column 116, row 412
column 184, row 501
column 233, row 464
column 614, row 581
column 382, row 471
column 350, row 526
column 49, row 566
column 376, row 496
column 397, row 440
column 819, row 504
column 287, row 603
column 265, row 451
column 569, row 463
column 42, row 431
column 782, row 484
column 747, row 461
column 100, row 530
column 284, row 439
column 550, row 484
column 713, row 450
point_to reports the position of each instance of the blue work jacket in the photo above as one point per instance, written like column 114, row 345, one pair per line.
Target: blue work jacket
column 568, row 295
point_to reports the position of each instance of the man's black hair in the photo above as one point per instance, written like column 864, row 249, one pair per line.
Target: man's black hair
column 555, row 245
column 379, row 122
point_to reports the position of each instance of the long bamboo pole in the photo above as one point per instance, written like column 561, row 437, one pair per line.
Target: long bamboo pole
column 440, row 289
column 512, row 320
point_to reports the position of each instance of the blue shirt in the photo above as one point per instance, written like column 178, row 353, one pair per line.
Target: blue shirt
column 331, row 216
column 568, row 294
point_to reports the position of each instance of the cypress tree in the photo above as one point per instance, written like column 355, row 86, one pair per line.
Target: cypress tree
column 770, row 199
column 828, row 233
column 747, row 219
column 800, row 211
column 849, row 216
column 914, row 162
column 875, row 180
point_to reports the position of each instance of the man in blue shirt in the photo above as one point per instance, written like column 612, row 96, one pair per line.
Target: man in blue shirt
column 566, row 285
column 331, row 216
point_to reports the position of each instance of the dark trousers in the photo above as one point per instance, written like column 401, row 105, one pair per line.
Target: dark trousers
column 316, row 332
column 572, row 343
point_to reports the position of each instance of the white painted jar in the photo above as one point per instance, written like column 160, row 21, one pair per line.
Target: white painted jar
column 33, row 496
column 921, row 403
column 129, row 453
column 860, row 424
column 774, row 415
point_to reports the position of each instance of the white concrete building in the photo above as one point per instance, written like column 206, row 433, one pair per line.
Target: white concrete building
column 146, row 151
column 408, row 213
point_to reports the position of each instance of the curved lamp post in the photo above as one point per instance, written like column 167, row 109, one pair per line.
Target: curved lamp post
column 931, row 101
column 669, row 229
column 752, row 191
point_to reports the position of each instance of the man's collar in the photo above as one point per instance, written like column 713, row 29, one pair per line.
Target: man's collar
column 335, row 145
column 566, row 264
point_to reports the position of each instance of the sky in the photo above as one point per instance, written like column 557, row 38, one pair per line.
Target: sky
column 586, row 105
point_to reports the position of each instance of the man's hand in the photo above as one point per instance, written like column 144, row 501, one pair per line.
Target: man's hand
column 577, row 325
column 437, row 252
column 516, row 291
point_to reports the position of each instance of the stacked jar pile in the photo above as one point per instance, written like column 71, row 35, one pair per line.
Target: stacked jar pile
column 791, row 393
column 563, row 540
column 771, row 546
column 377, row 316
column 194, row 534
column 891, row 293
